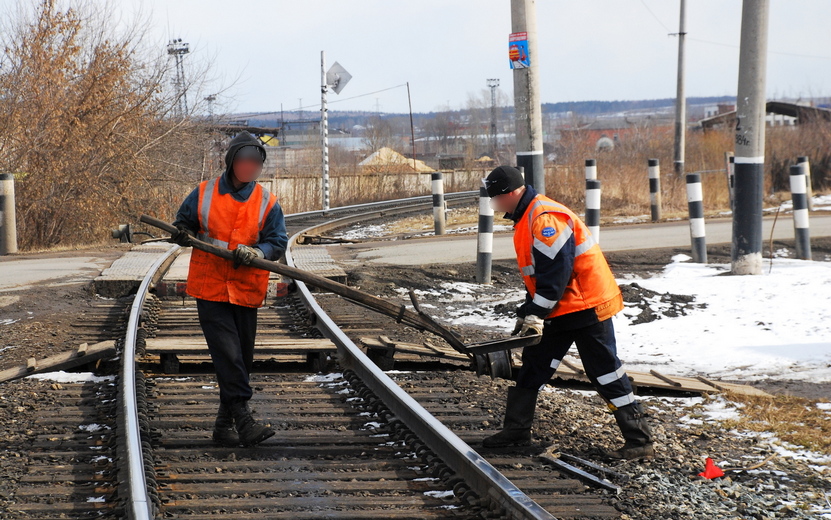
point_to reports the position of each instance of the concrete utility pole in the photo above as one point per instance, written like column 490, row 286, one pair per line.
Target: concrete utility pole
column 680, row 97
column 8, row 219
column 750, row 139
column 527, row 97
column 493, row 84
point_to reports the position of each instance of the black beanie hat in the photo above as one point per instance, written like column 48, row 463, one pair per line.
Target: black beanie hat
column 503, row 179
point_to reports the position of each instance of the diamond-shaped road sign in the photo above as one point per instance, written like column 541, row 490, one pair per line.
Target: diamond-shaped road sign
column 337, row 77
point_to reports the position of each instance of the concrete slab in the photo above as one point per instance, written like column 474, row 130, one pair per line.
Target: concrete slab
column 453, row 249
column 179, row 269
column 127, row 272
column 316, row 260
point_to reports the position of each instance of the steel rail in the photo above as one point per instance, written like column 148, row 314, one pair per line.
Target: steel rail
column 482, row 477
column 140, row 503
column 426, row 199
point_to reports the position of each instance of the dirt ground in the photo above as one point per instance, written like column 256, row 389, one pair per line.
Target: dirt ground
column 36, row 321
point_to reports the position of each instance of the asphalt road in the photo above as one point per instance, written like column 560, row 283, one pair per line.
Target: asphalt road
column 19, row 271
column 456, row 249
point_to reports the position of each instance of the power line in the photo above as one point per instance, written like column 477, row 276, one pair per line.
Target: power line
column 769, row 52
column 368, row 93
column 656, row 17
column 330, row 102
column 728, row 44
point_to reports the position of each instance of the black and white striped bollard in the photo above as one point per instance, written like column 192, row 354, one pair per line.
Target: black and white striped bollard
column 591, row 169
column 799, row 194
column 438, row 202
column 802, row 162
column 484, row 235
column 695, row 203
column 654, row 189
column 593, row 208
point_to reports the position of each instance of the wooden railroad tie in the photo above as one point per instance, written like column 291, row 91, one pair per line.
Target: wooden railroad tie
column 82, row 355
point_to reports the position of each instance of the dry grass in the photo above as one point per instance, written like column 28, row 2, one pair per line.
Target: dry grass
column 624, row 178
column 796, row 420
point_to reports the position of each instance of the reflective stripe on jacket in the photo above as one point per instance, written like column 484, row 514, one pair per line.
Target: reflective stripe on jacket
column 547, row 225
column 226, row 222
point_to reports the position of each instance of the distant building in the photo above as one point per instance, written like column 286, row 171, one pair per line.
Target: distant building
column 779, row 113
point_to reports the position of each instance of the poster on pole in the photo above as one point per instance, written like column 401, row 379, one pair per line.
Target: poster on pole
column 518, row 50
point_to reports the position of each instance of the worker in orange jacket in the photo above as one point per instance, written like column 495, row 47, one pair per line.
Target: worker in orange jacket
column 571, row 296
column 234, row 212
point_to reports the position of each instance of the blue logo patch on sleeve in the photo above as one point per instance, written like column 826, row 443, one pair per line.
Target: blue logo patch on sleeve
column 548, row 231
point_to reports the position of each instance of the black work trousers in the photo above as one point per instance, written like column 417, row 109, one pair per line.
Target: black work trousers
column 598, row 352
column 230, row 331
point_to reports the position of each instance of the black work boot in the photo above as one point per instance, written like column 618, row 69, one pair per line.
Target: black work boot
column 224, row 432
column 638, row 438
column 519, row 416
column 250, row 431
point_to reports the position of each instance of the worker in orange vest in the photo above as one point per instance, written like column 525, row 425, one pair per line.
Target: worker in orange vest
column 234, row 212
column 571, row 296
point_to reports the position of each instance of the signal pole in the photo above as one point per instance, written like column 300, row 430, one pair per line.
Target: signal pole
column 750, row 139
column 680, row 97
column 527, row 94
column 324, row 131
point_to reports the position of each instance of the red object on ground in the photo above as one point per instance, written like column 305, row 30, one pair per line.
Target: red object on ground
column 711, row 471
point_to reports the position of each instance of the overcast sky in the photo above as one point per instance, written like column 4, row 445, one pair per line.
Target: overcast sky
column 445, row 49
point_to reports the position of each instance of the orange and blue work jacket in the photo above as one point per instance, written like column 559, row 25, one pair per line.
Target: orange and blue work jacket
column 227, row 218
column 566, row 275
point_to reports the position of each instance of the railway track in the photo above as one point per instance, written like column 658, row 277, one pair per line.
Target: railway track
column 350, row 444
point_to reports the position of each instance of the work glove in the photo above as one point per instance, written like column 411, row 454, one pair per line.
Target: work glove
column 182, row 236
column 517, row 326
column 244, row 255
column 531, row 325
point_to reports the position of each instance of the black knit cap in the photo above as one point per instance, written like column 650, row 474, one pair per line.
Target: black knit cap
column 503, row 179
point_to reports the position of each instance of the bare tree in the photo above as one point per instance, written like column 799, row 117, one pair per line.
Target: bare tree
column 379, row 134
column 84, row 124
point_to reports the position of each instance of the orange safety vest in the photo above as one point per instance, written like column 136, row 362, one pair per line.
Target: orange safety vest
column 226, row 222
column 592, row 284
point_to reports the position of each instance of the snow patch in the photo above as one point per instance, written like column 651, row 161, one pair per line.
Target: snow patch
column 72, row 377
column 323, row 378
column 440, row 494
column 91, row 428
column 776, row 325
